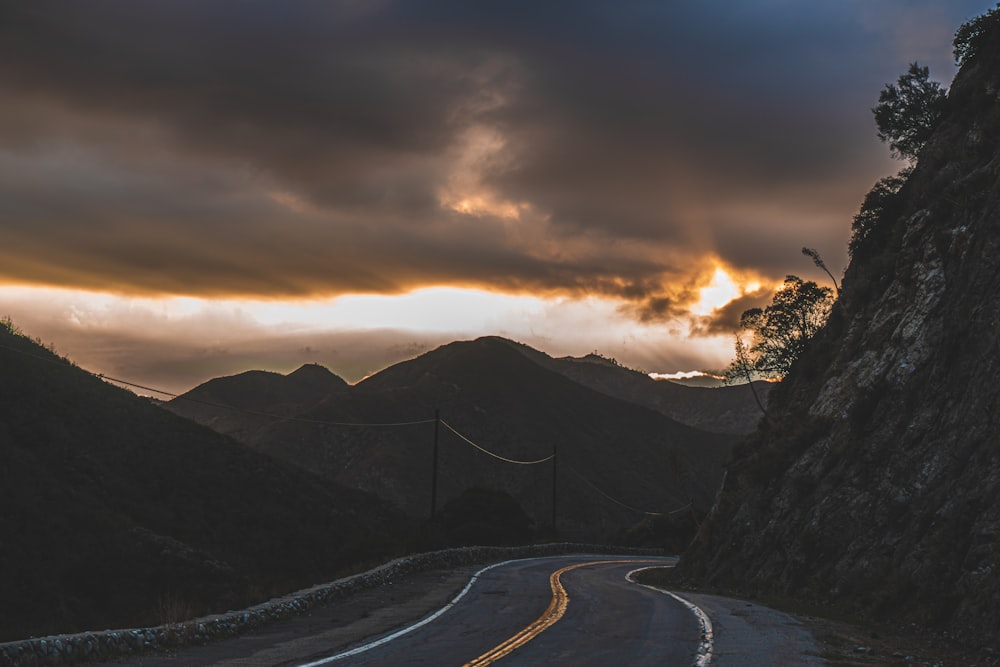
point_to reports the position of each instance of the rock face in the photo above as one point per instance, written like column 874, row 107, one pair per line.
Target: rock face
column 874, row 485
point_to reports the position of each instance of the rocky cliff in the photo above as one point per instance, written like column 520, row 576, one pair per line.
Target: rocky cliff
column 874, row 485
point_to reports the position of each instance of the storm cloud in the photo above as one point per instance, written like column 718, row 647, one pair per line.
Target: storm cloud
column 293, row 149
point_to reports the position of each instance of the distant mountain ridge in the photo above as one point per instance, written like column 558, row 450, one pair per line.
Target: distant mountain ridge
column 502, row 399
column 730, row 410
column 259, row 391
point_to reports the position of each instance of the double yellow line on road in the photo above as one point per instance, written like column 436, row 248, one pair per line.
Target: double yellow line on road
column 554, row 612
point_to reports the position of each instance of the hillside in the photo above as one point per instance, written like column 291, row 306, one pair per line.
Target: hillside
column 117, row 513
column 875, row 488
column 730, row 410
column 501, row 400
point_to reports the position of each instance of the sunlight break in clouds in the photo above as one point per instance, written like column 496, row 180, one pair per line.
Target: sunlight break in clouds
column 721, row 291
column 685, row 375
column 435, row 309
column 175, row 343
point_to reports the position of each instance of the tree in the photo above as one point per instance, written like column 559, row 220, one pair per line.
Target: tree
column 970, row 35
column 868, row 219
column 907, row 112
column 781, row 331
column 742, row 367
column 813, row 254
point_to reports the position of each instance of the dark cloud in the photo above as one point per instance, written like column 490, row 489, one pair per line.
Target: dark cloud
column 726, row 320
column 295, row 148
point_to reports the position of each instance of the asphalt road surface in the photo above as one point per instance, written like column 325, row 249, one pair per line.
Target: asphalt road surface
column 564, row 610
column 576, row 610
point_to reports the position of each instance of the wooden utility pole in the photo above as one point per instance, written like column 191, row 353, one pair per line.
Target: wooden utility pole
column 434, row 469
column 554, row 489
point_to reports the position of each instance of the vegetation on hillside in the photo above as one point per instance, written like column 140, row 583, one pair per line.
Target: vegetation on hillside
column 117, row 513
column 972, row 34
column 908, row 111
column 480, row 516
column 870, row 489
column 781, row 331
column 906, row 115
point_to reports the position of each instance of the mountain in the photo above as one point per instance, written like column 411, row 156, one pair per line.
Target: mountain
column 874, row 489
column 254, row 394
column 263, row 389
column 117, row 513
column 615, row 460
column 731, row 409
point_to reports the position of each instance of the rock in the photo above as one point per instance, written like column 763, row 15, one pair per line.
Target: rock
column 872, row 486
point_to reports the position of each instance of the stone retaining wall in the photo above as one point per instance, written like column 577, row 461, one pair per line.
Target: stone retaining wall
column 110, row 644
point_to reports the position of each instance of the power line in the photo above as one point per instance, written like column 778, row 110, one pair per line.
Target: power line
column 59, row 361
column 132, row 384
column 619, row 502
column 256, row 413
column 260, row 413
column 494, row 455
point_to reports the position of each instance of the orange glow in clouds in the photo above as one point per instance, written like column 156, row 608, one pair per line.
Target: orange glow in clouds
column 722, row 290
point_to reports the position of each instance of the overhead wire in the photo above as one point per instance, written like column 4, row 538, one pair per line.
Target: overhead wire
column 62, row 361
column 260, row 413
column 493, row 454
column 257, row 413
column 322, row 421
column 619, row 502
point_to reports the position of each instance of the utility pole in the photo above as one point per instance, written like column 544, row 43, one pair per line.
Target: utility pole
column 434, row 469
column 554, row 489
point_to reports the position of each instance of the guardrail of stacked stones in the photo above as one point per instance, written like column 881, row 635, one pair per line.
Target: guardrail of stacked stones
column 112, row 644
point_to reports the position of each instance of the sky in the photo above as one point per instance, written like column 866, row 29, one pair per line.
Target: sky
column 191, row 189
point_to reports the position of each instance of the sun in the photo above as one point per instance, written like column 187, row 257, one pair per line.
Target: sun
column 722, row 290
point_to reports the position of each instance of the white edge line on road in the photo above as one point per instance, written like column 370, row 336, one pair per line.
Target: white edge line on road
column 707, row 645
column 419, row 624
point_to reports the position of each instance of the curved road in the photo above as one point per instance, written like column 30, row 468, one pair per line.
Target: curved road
column 572, row 610
column 561, row 610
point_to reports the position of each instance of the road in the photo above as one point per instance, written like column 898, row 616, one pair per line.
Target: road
column 577, row 610
column 563, row 610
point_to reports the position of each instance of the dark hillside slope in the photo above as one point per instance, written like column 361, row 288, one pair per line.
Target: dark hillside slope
column 718, row 409
column 876, row 486
column 114, row 512
column 503, row 401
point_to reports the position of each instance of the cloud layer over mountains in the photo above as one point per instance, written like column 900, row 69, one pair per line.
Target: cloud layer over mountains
column 305, row 150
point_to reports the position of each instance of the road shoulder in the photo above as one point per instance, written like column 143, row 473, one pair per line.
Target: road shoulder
column 326, row 629
column 833, row 642
column 747, row 634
